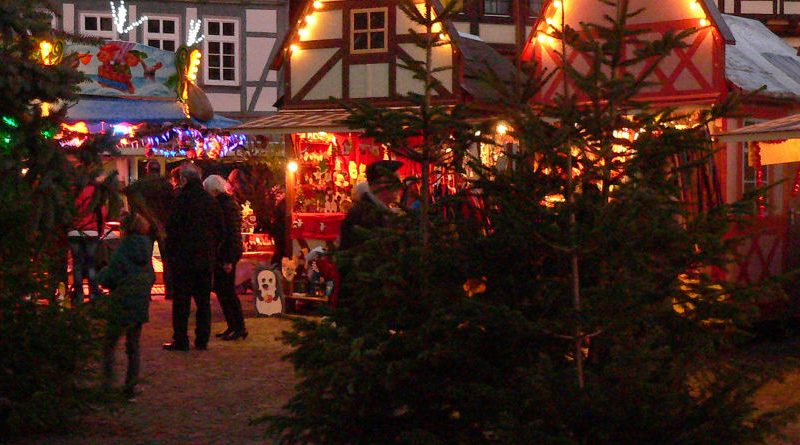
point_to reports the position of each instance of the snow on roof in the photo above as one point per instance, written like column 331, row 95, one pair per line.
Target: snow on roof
column 467, row 35
column 761, row 58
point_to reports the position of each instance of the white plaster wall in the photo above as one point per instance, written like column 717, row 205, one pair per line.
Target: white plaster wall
column 191, row 14
column 225, row 102
column 404, row 24
column 330, row 85
column 258, row 50
column 328, row 25
column 266, row 100
column 791, row 7
column 462, row 27
column 259, row 20
column 757, row 7
column 442, row 56
column 68, row 17
column 492, row 33
column 305, row 63
column 369, row 80
column 132, row 18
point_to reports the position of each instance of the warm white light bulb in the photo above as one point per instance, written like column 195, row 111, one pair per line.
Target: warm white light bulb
column 291, row 166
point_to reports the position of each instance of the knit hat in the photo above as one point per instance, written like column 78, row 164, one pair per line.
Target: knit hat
column 383, row 169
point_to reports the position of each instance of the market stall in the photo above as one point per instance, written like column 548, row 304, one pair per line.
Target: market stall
column 148, row 100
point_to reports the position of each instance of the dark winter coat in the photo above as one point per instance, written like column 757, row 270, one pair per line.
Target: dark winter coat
column 129, row 276
column 153, row 197
column 367, row 213
column 193, row 230
column 230, row 246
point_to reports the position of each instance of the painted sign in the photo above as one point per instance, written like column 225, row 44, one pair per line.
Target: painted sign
column 116, row 68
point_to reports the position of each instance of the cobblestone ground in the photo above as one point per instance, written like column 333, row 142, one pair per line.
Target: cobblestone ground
column 198, row 397
column 209, row 397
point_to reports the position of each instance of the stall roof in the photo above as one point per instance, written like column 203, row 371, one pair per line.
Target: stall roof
column 761, row 58
column 92, row 109
column 297, row 121
column 784, row 128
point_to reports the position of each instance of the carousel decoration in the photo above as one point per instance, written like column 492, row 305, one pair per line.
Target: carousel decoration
column 193, row 36
column 120, row 16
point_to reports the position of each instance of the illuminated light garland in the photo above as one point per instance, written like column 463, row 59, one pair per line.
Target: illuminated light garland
column 193, row 36
column 191, row 143
column 120, row 16
column 796, row 186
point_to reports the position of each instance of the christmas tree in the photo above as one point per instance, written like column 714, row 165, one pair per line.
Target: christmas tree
column 580, row 306
column 43, row 348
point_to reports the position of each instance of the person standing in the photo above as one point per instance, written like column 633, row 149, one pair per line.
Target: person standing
column 371, row 211
column 84, row 240
column 193, row 232
column 129, row 276
column 229, row 253
column 152, row 197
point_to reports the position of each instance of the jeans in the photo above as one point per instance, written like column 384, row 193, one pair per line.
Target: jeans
column 225, row 288
column 83, row 250
column 132, row 335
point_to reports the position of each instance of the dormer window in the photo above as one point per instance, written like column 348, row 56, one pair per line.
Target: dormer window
column 368, row 30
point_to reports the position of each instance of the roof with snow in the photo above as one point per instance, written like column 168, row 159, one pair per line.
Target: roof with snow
column 761, row 58
column 482, row 61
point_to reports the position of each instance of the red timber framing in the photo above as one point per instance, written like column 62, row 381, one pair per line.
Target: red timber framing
column 692, row 75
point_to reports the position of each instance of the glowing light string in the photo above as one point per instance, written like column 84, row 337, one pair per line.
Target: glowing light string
column 193, row 35
column 120, row 16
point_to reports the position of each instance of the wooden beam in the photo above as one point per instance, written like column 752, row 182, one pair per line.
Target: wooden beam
column 319, row 75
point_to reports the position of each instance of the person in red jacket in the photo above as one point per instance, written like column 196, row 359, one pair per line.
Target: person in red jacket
column 84, row 239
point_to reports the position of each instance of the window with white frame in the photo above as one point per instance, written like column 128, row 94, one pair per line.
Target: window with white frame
column 368, row 30
column 97, row 24
column 162, row 32
column 497, row 7
column 222, row 51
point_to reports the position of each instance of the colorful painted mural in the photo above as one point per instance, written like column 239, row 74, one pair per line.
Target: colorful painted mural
column 116, row 68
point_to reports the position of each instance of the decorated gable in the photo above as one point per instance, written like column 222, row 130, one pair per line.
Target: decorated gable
column 691, row 74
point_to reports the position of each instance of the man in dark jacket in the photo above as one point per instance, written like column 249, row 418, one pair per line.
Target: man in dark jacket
column 193, row 232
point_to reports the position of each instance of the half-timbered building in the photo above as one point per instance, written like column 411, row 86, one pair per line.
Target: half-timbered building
column 354, row 50
column 239, row 44
column 726, row 54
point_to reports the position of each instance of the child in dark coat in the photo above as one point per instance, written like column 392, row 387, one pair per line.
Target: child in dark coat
column 129, row 277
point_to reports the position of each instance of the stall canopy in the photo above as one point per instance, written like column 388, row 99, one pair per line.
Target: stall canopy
column 116, row 109
column 297, row 121
column 779, row 139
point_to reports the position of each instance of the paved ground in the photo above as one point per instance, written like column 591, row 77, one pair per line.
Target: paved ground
column 209, row 397
column 199, row 397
